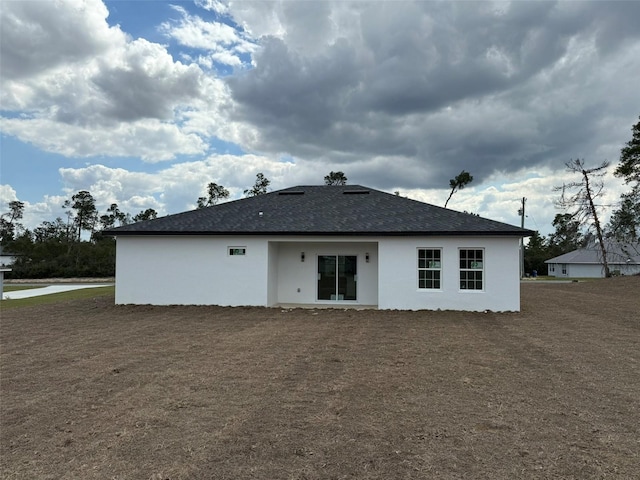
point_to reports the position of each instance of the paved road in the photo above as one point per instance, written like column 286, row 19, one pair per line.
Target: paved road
column 35, row 292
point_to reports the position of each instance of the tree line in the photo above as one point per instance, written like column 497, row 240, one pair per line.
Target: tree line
column 71, row 247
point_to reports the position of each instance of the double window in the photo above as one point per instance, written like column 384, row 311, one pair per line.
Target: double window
column 429, row 268
column 471, row 269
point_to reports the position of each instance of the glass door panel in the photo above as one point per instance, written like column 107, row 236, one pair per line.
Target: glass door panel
column 337, row 277
column 347, row 277
column 326, row 277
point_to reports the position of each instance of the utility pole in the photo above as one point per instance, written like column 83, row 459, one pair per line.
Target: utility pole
column 521, row 213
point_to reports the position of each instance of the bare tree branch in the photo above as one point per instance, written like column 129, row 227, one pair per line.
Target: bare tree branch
column 581, row 202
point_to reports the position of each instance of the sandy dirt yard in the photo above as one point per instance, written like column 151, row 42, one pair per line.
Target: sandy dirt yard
column 90, row 390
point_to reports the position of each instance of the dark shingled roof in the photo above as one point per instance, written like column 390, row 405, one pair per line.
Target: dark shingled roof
column 321, row 210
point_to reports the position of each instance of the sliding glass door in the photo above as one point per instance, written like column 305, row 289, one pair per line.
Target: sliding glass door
column 337, row 277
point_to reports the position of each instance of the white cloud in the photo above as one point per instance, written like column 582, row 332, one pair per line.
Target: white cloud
column 398, row 96
column 38, row 36
column 499, row 197
column 442, row 86
column 150, row 140
column 217, row 6
column 224, row 41
column 34, row 213
column 7, row 194
column 177, row 187
column 119, row 98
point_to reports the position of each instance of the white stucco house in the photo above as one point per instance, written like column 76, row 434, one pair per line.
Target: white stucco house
column 317, row 246
column 587, row 262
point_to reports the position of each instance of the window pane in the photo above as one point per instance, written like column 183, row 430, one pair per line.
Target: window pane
column 429, row 265
column 471, row 269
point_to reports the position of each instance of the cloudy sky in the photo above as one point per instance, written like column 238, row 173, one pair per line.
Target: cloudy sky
column 144, row 102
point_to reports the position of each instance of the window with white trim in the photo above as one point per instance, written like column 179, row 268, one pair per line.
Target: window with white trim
column 471, row 269
column 429, row 268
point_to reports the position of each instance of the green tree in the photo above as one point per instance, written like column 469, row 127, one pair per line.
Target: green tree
column 567, row 237
column 56, row 231
column 625, row 220
column 53, row 251
column 148, row 214
column 458, row 183
column 624, row 224
column 215, row 193
column 335, row 178
column 9, row 221
column 260, row 187
column 629, row 167
column 535, row 254
column 113, row 215
column 580, row 197
column 86, row 213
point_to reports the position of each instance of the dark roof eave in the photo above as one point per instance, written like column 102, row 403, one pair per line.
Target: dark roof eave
column 518, row 233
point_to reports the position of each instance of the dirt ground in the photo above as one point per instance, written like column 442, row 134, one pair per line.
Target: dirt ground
column 90, row 390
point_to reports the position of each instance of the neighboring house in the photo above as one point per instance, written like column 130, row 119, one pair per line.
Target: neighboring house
column 321, row 245
column 587, row 262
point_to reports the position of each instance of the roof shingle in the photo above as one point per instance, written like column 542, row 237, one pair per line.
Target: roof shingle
column 322, row 210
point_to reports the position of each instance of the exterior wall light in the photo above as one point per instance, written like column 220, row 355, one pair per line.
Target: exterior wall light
column 302, row 256
column 366, row 257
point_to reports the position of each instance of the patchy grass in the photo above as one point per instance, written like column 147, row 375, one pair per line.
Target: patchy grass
column 13, row 288
column 55, row 298
column 91, row 390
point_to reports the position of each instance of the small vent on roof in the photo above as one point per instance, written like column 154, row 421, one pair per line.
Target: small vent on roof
column 292, row 192
column 356, row 192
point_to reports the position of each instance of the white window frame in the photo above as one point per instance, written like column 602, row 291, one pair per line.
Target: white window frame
column 430, row 268
column 236, row 251
column 472, row 267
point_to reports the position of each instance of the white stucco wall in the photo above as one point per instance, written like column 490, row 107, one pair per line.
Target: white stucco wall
column 398, row 275
column 191, row 270
column 272, row 274
column 198, row 270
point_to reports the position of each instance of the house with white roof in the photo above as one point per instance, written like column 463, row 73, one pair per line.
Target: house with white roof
column 339, row 246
